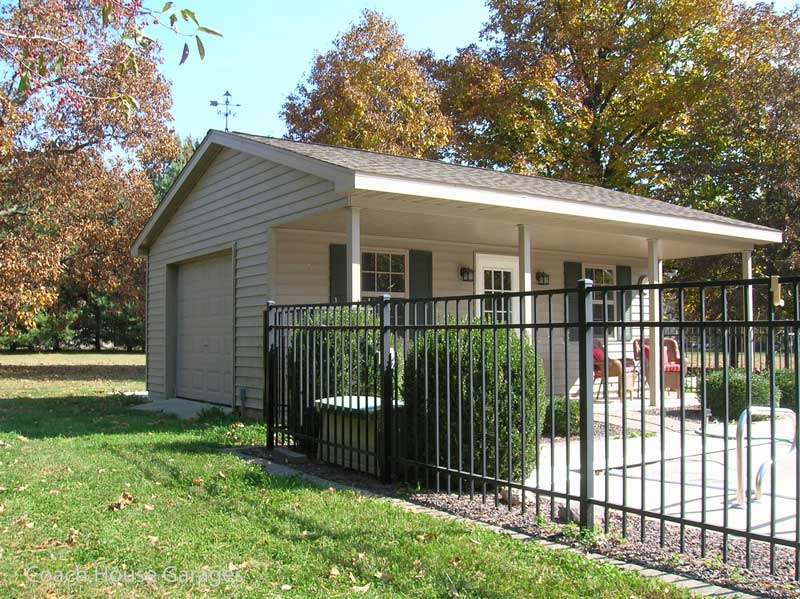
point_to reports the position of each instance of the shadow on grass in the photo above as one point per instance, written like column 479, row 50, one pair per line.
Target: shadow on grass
column 54, row 417
column 76, row 372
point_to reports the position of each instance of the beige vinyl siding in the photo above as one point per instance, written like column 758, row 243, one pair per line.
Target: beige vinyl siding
column 301, row 275
column 233, row 206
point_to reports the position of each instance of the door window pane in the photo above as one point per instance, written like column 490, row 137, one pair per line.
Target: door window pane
column 497, row 282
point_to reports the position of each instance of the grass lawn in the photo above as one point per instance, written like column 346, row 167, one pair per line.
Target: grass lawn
column 71, row 456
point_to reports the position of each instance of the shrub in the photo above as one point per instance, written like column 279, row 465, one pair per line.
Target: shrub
column 557, row 410
column 737, row 392
column 440, row 364
column 785, row 382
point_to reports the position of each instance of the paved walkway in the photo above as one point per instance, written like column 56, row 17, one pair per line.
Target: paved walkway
column 184, row 409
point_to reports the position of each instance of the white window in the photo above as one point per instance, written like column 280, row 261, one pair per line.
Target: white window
column 603, row 275
column 496, row 275
column 384, row 272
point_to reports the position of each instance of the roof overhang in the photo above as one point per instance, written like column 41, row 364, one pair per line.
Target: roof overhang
column 411, row 194
column 507, row 204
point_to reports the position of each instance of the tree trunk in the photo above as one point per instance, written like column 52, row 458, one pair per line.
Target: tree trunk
column 97, row 318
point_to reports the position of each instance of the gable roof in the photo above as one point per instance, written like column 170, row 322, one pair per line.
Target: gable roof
column 354, row 170
column 436, row 171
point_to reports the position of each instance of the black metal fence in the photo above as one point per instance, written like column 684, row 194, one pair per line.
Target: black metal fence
column 553, row 401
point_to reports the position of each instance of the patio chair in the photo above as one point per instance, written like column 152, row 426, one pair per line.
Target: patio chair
column 670, row 363
column 615, row 371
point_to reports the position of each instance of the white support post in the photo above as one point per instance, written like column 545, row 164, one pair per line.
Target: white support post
column 353, row 254
column 654, row 274
column 525, row 276
column 747, row 273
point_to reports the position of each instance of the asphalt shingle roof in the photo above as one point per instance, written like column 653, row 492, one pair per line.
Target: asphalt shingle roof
column 434, row 171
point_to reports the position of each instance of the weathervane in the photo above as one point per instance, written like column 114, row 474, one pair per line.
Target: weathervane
column 226, row 107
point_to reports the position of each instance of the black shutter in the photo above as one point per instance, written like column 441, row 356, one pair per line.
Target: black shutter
column 338, row 273
column 420, row 281
column 625, row 298
column 573, row 272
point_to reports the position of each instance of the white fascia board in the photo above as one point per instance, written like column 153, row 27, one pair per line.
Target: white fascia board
column 342, row 178
column 533, row 203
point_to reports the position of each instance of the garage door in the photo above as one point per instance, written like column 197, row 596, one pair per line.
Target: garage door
column 204, row 332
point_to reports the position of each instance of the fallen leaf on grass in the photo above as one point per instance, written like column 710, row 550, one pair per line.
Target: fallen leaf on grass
column 51, row 544
column 72, row 539
column 153, row 540
column 23, row 522
column 198, row 481
column 4, row 445
column 334, row 573
column 124, row 501
column 20, row 489
column 286, row 587
column 2, row 508
column 384, row 576
column 22, row 438
column 221, row 475
column 148, row 507
column 361, row 589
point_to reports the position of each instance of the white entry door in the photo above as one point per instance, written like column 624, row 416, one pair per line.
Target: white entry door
column 205, row 330
column 496, row 275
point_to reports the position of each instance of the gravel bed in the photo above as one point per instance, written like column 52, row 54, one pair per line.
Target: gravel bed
column 690, row 562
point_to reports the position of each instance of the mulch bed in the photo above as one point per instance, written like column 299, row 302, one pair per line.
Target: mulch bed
column 690, row 562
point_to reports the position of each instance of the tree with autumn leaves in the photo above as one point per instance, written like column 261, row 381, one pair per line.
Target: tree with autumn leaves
column 83, row 109
column 370, row 92
column 691, row 102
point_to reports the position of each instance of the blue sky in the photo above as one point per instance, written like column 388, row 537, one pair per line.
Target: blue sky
column 268, row 47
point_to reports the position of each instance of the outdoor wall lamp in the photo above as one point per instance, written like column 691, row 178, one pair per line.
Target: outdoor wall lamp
column 467, row 274
column 542, row 278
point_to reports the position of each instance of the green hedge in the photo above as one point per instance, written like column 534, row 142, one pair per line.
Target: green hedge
column 439, row 364
column 737, row 392
column 785, row 381
column 558, row 411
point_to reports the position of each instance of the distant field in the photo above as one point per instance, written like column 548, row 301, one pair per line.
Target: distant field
column 75, row 358
column 70, row 373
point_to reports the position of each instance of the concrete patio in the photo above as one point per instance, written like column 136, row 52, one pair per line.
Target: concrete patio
column 629, row 470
